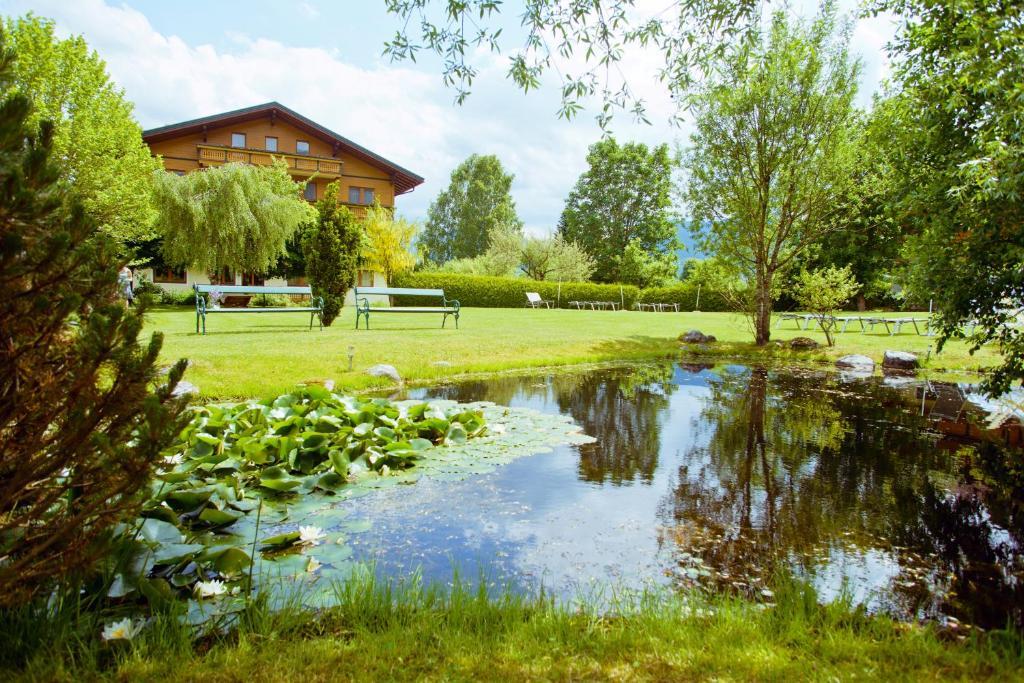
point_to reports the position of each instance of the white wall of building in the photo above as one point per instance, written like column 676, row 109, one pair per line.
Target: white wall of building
column 196, row 277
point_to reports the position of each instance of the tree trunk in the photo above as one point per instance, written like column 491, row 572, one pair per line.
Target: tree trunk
column 763, row 309
column 862, row 303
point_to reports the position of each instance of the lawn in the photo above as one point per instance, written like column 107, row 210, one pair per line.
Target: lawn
column 266, row 354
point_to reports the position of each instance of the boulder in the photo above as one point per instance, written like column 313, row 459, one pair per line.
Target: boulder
column 696, row 337
column 899, row 360
column 384, row 370
column 802, row 344
column 856, row 362
column 183, row 387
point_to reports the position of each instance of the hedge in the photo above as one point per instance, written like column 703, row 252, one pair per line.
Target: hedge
column 509, row 292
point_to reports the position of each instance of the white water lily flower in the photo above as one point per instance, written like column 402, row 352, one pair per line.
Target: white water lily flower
column 173, row 459
column 311, row 535
column 312, row 565
column 384, row 471
column 125, row 629
column 210, row 589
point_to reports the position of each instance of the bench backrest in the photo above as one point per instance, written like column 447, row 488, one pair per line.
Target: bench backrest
column 398, row 291
column 254, row 289
column 533, row 297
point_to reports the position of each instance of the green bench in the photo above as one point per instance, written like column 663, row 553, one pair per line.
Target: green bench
column 315, row 308
column 448, row 306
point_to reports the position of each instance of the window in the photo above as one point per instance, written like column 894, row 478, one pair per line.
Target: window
column 310, row 191
column 301, row 147
column 365, row 278
column 225, row 277
column 169, row 276
column 270, row 144
column 360, row 195
column 253, row 280
column 238, row 140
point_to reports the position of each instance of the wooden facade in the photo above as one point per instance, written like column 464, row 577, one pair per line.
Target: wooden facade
column 255, row 135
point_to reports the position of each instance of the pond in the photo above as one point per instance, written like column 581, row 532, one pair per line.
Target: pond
column 888, row 491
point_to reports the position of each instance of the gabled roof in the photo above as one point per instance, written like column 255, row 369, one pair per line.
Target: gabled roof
column 404, row 179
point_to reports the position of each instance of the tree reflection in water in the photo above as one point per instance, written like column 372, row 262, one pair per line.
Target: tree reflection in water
column 840, row 481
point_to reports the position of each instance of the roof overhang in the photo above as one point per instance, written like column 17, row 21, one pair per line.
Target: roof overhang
column 403, row 179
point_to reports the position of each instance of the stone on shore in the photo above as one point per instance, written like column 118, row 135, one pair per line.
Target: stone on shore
column 899, row 360
column 803, row 344
column 856, row 361
column 696, row 337
column 385, row 370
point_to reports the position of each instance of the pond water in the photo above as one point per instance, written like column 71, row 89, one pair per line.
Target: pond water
column 715, row 476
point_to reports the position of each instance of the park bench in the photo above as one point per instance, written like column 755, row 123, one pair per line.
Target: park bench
column 448, row 306
column 315, row 308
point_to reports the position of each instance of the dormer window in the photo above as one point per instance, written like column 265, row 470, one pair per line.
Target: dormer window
column 238, row 140
column 301, row 147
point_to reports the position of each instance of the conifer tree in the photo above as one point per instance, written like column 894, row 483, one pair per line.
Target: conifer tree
column 82, row 423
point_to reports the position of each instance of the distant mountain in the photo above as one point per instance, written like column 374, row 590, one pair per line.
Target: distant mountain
column 690, row 248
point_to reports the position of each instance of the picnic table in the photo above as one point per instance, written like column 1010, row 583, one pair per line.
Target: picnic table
column 660, row 307
column 595, row 305
column 894, row 325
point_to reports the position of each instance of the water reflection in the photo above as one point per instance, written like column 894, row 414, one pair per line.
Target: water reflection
column 715, row 476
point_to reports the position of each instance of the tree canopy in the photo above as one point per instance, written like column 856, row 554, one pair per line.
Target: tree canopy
column 774, row 150
column 624, row 197
column 97, row 145
column 475, row 204
column 584, row 43
column 959, row 159
column 233, row 216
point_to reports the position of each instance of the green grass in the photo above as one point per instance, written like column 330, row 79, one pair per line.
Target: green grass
column 379, row 633
column 264, row 354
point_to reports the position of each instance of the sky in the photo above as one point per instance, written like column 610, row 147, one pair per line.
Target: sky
column 185, row 59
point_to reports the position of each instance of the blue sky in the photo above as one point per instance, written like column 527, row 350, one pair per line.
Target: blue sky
column 183, row 59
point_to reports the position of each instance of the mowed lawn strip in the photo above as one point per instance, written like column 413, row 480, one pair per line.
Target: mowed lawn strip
column 260, row 355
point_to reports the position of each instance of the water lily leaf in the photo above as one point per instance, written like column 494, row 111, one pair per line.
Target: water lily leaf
column 279, row 541
column 456, row 434
column 232, row 561
column 357, row 526
column 385, row 433
column 157, row 591
column 215, row 517
column 332, row 481
column 173, row 553
column 207, row 438
column 419, row 444
column 159, row 531
column 339, row 461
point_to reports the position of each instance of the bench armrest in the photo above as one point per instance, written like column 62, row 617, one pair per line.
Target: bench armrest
column 200, row 303
column 454, row 303
column 362, row 303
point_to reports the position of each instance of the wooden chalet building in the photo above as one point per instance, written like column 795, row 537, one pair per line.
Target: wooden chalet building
column 255, row 135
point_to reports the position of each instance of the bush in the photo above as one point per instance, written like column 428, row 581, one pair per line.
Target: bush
column 274, row 301
column 509, row 292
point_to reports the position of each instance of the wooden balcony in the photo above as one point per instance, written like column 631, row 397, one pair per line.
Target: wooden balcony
column 214, row 155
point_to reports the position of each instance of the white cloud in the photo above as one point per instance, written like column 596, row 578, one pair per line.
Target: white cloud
column 402, row 112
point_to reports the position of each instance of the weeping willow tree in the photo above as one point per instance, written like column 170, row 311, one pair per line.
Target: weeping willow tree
column 234, row 216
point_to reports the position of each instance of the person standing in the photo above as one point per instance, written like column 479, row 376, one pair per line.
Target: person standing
column 126, row 284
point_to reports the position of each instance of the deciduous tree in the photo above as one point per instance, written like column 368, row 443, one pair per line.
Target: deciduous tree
column 960, row 167
column 625, row 196
column 824, row 291
column 775, row 147
column 233, row 216
column 97, row 145
column 475, row 204
column 388, row 245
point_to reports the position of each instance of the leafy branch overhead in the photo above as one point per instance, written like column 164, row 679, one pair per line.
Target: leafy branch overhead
column 583, row 43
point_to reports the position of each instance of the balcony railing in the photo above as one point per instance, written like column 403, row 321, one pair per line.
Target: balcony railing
column 218, row 154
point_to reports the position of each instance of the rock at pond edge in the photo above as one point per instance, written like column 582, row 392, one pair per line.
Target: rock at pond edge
column 802, row 344
column 899, row 360
column 856, row 361
column 696, row 337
